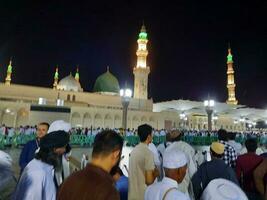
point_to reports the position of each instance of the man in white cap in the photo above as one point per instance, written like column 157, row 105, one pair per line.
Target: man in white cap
column 175, row 165
column 38, row 177
column 175, row 137
column 63, row 171
column 7, row 178
column 222, row 189
column 216, row 168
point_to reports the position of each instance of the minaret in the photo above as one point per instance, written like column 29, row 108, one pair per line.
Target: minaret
column 55, row 79
column 141, row 70
column 9, row 73
column 230, row 79
column 77, row 76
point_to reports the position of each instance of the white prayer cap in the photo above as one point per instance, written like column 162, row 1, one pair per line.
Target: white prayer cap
column 222, row 189
column 173, row 158
column 59, row 125
column 5, row 159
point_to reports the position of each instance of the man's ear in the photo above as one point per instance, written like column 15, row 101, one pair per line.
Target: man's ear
column 116, row 153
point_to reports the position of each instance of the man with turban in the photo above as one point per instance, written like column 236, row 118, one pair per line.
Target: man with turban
column 38, row 178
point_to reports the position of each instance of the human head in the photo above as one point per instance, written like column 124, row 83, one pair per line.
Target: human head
column 175, row 164
column 174, row 135
column 53, row 144
column 231, row 135
column 42, row 129
column 107, row 149
column 145, row 133
column 222, row 189
column 222, row 135
column 251, row 145
column 216, row 150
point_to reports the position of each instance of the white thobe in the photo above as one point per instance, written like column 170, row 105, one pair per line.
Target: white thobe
column 157, row 190
column 36, row 182
column 191, row 165
column 237, row 146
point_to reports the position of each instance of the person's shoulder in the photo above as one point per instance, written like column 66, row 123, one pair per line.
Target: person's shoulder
column 30, row 143
column 176, row 194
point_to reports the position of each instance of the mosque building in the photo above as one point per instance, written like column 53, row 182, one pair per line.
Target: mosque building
column 66, row 99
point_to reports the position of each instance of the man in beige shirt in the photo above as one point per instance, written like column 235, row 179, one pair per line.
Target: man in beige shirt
column 142, row 171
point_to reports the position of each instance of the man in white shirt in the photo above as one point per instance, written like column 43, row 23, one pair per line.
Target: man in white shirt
column 142, row 171
column 175, row 138
column 175, row 165
column 237, row 146
column 38, row 179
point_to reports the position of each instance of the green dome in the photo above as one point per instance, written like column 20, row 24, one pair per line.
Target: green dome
column 107, row 83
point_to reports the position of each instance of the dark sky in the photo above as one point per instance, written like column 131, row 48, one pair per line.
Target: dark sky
column 187, row 44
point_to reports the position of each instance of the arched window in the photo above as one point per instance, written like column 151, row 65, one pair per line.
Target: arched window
column 73, row 98
column 68, row 97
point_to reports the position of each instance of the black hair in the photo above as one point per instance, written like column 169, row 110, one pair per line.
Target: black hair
column 107, row 142
column 251, row 144
column 144, row 131
column 45, row 124
column 231, row 135
column 47, row 155
column 222, row 135
column 214, row 154
column 115, row 170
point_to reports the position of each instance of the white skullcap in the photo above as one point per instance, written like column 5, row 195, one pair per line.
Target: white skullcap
column 222, row 189
column 5, row 159
column 173, row 158
column 59, row 125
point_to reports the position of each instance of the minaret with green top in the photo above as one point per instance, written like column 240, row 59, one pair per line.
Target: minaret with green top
column 9, row 73
column 77, row 75
column 230, row 79
column 55, row 79
column 141, row 70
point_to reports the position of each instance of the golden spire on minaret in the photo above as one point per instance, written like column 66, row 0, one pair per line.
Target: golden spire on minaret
column 230, row 79
column 141, row 70
column 9, row 73
column 55, row 79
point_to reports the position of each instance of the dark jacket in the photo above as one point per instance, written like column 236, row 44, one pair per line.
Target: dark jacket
column 91, row 183
column 211, row 170
column 27, row 153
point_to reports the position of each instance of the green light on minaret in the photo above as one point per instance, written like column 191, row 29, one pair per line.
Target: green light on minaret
column 9, row 68
column 143, row 34
column 56, row 74
column 77, row 76
column 229, row 57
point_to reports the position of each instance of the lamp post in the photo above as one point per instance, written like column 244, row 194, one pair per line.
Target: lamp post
column 126, row 95
column 209, row 104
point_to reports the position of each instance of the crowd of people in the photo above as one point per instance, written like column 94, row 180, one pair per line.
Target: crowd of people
column 171, row 170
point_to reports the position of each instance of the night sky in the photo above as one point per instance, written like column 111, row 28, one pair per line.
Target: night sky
column 188, row 43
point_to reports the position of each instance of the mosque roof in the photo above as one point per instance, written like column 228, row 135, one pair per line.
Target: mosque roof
column 196, row 107
column 107, row 83
column 69, row 83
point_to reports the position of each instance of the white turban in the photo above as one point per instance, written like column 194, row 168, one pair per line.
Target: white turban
column 59, row 125
column 174, row 158
column 222, row 189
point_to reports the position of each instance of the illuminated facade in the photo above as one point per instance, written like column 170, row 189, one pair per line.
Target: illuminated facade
column 141, row 70
column 230, row 79
column 102, row 107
